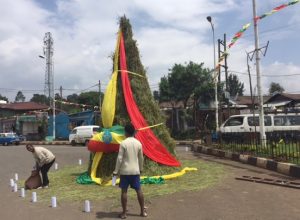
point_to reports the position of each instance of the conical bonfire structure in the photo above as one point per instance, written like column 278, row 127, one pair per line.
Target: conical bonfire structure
column 128, row 99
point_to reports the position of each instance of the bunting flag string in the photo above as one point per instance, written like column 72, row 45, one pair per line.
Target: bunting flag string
column 278, row 8
column 239, row 34
column 76, row 104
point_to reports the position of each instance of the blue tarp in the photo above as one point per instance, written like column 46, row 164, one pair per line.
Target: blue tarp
column 64, row 123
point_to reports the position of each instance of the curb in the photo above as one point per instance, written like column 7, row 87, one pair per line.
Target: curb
column 46, row 142
column 283, row 168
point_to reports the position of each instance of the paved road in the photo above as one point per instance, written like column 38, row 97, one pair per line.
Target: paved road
column 230, row 199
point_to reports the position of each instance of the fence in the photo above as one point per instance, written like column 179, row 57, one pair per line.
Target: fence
column 284, row 147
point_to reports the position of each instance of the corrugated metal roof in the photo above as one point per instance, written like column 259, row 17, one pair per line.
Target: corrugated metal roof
column 24, row 106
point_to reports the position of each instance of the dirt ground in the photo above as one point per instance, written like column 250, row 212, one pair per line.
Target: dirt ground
column 229, row 199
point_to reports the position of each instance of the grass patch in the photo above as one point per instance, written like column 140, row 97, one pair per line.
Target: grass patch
column 63, row 184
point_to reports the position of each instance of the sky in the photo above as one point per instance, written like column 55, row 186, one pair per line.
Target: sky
column 167, row 32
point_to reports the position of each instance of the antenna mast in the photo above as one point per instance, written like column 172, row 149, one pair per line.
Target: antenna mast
column 49, row 76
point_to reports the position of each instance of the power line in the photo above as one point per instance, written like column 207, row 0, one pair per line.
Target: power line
column 271, row 30
column 266, row 75
column 89, row 88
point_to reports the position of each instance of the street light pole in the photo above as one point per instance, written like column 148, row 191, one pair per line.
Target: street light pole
column 209, row 19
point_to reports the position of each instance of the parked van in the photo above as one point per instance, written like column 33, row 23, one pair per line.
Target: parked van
column 82, row 134
column 287, row 124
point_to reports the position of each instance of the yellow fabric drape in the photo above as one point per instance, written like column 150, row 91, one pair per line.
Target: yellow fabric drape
column 96, row 160
column 166, row 177
column 174, row 175
column 109, row 101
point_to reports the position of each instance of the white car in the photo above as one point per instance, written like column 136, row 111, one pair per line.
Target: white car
column 82, row 134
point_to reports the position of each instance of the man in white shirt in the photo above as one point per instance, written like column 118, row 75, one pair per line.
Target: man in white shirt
column 129, row 166
column 44, row 160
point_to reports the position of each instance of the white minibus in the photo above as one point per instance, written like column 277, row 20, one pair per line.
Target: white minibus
column 289, row 124
column 82, row 134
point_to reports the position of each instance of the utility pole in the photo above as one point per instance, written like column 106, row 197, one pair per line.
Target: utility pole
column 259, row 90
column 250, row 56
column 252, row 99
column 60, row 92
column 100, row 105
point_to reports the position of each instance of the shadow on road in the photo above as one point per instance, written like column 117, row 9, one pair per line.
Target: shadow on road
column 104, row 215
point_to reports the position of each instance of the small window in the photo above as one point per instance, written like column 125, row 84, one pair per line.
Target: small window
column 255, row 121
column 236, row 121
column 294, row 120
column 282, row 120
column 95, row 129
column 74, row 131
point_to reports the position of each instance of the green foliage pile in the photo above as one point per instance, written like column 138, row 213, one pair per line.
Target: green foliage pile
column 145, row 101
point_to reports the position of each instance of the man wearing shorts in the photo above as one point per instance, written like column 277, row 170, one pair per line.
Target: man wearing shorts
column 129, row 166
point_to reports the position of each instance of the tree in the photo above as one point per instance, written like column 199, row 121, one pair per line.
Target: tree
column 156, row 95
column 3, row 98
column 275, row 88
column 235, row 87
column 38, row 98
column 57, row 96
column 183, row 81
column 89, row 98
column 72, row 98
column 20, row 97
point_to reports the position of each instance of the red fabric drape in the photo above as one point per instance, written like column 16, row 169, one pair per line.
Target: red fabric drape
column 97, row 146
column 152, row 147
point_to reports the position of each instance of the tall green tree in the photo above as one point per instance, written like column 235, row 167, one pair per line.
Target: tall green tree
column 183, row 81
column 164, row 89
column 3, row 98
column 156, row 95
column 235, row 87
column 38, row 98
column 73, row 98
column 20, row 97
column 275, row 88
column 89, row 98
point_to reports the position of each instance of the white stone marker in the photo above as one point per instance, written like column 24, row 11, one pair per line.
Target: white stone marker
column 34, row 197
column 56, row 166
column 53, row 202
column 11, row 182
column 114, row 180
column 22, row 194
column 79, row 161
column 16, row 177
column 87, row 206
column 15, row 188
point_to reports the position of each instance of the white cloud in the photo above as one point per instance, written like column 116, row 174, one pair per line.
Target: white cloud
column 286, row 74
column 84, row 33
